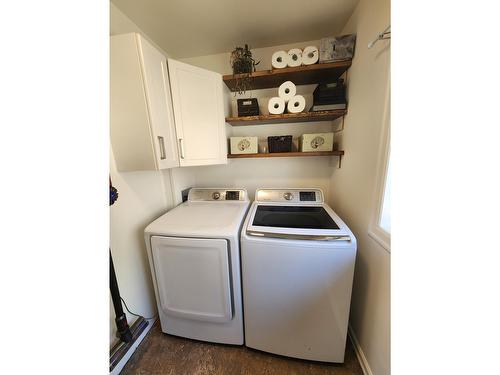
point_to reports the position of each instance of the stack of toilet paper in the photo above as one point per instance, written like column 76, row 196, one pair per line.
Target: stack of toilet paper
column 295, row 57
column 288, row 99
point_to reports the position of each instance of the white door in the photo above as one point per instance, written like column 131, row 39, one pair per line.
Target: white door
column 155, row 76
column 192, row 276
column 197, row 96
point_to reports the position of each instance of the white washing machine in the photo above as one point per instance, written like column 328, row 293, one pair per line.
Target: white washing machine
column 298, row 264
column 194, row 256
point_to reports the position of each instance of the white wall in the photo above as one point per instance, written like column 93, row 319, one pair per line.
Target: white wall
column 220, row 62
column 268, row 172
column 143, row 196
column 119, row 23
column 352, row 187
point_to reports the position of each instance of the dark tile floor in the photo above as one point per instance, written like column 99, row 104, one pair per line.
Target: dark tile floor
column 164, row 354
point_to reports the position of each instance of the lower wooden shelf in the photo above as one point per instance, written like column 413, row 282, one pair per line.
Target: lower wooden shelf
column 286, row 154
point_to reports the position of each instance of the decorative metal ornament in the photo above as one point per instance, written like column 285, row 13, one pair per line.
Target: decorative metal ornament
column 243, row 144
column 317, row 142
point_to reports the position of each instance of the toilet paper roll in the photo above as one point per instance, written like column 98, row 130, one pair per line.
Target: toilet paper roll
column 294, row 57
column 296, row 104
column 310, row 55
column 279, row 59
column 276, row 106
column 287, row 90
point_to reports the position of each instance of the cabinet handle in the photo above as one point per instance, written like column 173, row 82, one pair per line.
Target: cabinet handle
column 181, row 146
column 161, row 141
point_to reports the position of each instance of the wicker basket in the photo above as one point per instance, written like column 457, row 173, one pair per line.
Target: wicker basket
column 281, row 143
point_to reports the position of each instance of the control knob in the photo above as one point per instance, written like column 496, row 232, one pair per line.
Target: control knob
column 216, row 195
column 288, row 196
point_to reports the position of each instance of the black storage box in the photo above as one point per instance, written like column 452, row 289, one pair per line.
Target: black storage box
column 248, row 107
column 280, row 143
column 329, row 96
column 330, row 92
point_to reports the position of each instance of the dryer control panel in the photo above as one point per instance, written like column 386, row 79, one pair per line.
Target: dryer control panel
column 217, row 195
column 289, row 195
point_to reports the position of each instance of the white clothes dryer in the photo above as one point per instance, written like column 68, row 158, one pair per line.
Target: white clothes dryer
column 298, row 264
column 194, row 256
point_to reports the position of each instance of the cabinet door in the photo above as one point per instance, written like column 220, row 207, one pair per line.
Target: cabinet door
column 129, row 118
column 197, row 96
column 192, row 276
column 156, row 83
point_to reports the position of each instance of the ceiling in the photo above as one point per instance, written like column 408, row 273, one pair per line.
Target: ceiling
column 187, row 28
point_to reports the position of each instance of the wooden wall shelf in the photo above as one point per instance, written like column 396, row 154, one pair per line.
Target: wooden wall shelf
column 302, row 75
column 286, row 154
column 287, row 118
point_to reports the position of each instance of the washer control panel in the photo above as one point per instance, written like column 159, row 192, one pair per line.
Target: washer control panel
column 289, row 195
column 307, row 196
column 232, row 195
column 203, row 194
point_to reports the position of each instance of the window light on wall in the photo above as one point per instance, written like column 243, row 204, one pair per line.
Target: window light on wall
column 380, row 223
column 385, row 212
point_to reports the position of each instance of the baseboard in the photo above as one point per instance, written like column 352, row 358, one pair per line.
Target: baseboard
column 118, row 368
column 365, row 366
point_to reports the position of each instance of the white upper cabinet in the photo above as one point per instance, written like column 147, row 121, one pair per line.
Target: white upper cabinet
column 197, row 96
column 142, row 124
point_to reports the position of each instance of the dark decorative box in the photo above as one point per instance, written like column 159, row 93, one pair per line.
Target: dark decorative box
column 329, row 96
column 281, row 143
column 325, row 92
column 248, row 107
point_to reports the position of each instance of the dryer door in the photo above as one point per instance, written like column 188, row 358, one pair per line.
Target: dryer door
column 192, row 275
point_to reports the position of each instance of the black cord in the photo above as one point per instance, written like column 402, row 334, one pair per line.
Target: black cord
column 130, row 312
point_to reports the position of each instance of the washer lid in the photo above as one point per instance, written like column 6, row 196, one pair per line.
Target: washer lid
column 306, row 217
column 296, row 221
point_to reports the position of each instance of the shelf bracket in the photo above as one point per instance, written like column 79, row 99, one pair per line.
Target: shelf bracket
column 340, row 161
column 341, row 128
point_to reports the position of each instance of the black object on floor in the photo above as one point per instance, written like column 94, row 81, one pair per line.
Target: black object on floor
column 127, row 335
column 118, row 351
column 121, row 318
